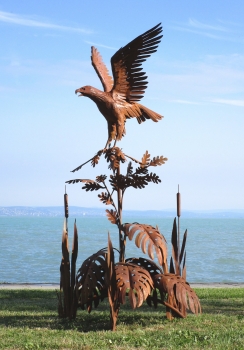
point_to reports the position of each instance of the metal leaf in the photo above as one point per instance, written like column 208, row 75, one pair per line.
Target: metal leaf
column 149, row 265
column 171, row 267
column 119, row 181
column 141, row 171
column 65, row 273
column 138, row 181
column 135, row 279
column 178, row 293
column 148, row 238
column 145, row 159
column 152, row 177
column 112, row 286
column 184, row 267
column 157, row 161
column 95, row 160
column 74, row 256
column 183, row 246
column 129, row 169
column 74, row 181
column 101, row 178
column 91, row 276
column 112, row 216
column 174, row 241
column 92, row 186
column 119, row 154
column 105, row 198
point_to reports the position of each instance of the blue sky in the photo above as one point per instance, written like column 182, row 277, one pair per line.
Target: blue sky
column 196, row 80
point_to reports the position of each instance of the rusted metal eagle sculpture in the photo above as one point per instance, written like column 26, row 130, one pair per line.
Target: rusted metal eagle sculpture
column 119, row 100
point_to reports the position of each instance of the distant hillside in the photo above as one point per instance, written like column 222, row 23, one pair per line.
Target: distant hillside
column 80, row 211
column 49, row 211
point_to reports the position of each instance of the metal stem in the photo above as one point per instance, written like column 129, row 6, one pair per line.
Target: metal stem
column 121, row 237
column 178, row 214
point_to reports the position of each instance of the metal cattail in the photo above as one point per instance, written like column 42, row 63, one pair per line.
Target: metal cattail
column 178, row 203
column 66, row 205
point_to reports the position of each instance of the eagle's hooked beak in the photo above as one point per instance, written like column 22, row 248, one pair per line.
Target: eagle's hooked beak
column 79, row 91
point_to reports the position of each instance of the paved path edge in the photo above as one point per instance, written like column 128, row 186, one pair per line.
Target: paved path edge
column 56, row 286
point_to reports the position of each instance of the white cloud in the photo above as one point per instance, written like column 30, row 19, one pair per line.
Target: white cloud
column 100, row 45
column 186, row 29
column 33, row 22
column 219, row 78
column 62, row 73
column 219, row 31
column 234, row 24
column 185, row 102
column 196, row 24
column 238, row 103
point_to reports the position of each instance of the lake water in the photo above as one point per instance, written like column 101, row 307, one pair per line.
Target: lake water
column 31, row 246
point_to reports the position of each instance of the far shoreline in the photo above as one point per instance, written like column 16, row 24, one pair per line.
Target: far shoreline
column 55, row 286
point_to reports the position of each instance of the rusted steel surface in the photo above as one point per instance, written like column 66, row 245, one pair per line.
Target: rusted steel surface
column 111, row 283
column 119, row 100
column 139, row 279
column 90, row 280
column 150, row 240
column 135, row 279
column 67, row 301
column 66, row 206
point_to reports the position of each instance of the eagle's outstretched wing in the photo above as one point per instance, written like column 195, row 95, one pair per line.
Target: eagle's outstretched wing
column 101, row 70
column 129, row 80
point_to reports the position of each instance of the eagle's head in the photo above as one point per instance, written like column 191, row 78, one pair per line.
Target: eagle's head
column 91, row 92
column 85, row 91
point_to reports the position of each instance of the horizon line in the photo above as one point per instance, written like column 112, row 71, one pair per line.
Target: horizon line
column 100, row 208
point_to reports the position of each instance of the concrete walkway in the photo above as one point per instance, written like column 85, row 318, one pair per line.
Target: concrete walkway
column 29, row 286
column 56, row 286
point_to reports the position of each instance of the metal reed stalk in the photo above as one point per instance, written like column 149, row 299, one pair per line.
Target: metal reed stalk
column 66, row 209
column 178, row 214
column 121, row 238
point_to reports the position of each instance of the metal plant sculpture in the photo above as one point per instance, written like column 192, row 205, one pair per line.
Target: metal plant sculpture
column 67, row 305
column 139, row 279
column 119, row 100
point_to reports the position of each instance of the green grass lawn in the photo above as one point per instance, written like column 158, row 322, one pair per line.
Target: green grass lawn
column 29, row 320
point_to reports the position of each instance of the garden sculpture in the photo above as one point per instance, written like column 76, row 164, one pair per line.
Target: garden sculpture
column 136, row 279
column 119, row 100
